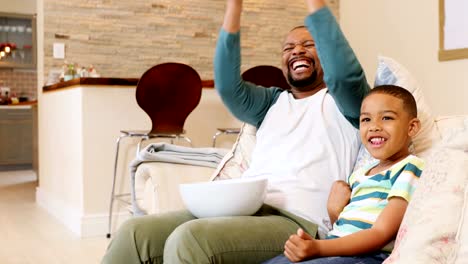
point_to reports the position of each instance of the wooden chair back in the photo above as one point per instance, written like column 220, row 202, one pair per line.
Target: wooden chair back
column 168, row 93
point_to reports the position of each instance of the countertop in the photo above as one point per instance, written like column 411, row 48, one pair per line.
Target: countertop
column 105, row 81
column 22, row 105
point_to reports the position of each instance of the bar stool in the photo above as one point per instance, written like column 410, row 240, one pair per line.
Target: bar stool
column 225, row 131
column 168, row 93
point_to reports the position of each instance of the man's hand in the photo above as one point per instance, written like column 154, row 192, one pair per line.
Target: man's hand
column 314, row 5
column 339, row 197
column 301, row 246
column 232, row 16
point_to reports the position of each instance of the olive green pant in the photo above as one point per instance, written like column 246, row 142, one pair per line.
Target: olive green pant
column 179, row 237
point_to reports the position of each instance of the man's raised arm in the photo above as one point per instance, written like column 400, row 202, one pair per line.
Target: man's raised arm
column 343, row 73
column 231, row 23
column 246, row 101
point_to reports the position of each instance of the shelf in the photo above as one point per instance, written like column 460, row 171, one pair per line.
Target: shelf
column 20, row 30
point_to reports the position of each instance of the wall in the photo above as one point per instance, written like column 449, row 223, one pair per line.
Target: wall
column 410, row 34
column 21, row 81
column 124, row 38
column 18, row 6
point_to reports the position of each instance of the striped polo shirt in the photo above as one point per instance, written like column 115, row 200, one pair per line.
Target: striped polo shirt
column 370, row 194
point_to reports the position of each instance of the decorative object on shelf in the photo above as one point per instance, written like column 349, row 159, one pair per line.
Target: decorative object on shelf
column 72, row 70
column 92, row 72
column 7, row 49
column 4, row 94
column 69, row 72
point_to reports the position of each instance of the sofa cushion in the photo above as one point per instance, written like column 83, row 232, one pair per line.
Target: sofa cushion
column 158, row 193
column 238, row 159
column 431, row 230
column 461, row 255
column 460, row 126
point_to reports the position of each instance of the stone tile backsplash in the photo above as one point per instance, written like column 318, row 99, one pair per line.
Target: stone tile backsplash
column 21, row 81
column 124, row 38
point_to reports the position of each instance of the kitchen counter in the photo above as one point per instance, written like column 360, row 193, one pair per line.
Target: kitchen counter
column 80, row 82
column 91, row 81
column 22, row 105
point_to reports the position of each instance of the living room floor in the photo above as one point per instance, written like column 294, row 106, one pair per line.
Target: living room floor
column 28, row 234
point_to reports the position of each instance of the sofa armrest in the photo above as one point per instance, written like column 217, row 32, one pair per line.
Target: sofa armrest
column 157, row 184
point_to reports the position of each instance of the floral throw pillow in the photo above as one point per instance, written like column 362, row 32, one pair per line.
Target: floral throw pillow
column 432, row 229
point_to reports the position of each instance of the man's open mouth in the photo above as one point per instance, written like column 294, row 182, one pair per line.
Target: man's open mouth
column 300, row 64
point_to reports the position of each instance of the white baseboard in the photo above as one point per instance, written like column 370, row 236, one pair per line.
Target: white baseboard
column 72, row 218
column 67, row 215
column 98, row 224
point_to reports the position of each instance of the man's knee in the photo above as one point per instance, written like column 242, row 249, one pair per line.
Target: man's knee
column 123, row 247
column 188, row 243
column 129, row 227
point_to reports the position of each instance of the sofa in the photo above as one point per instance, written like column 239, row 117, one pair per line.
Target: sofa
column 434, row 229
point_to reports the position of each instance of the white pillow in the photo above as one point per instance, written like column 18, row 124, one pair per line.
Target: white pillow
column 391, row 72
column 238, row 159
column 452, row 140
column 434, row 227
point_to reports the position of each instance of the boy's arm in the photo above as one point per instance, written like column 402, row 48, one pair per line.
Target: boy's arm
column 381, row 233
column 343, row 73
column 246, row 101
column 338, row 198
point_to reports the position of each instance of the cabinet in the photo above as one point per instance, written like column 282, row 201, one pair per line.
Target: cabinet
column 16, row 136
column 17, row 40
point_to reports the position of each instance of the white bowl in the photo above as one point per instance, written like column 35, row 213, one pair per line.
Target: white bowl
column 235, row 197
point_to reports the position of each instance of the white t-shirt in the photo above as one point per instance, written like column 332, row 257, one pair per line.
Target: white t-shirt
column 303, row 146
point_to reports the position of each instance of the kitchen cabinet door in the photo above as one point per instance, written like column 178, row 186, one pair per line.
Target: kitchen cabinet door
column 17, row 40
column 16, row 142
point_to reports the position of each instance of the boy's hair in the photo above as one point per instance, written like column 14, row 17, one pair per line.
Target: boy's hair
column 409, row 103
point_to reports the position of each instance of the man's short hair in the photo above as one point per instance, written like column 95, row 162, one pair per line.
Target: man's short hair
column 297, row 27
column 409, row 103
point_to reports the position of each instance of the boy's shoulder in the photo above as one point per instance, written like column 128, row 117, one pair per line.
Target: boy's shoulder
column 411, row 164
column 411, row 161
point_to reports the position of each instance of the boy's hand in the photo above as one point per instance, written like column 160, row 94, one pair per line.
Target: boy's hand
column 301, row 246
column 339, row 197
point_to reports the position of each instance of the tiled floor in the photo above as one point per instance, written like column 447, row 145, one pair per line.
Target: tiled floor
column 28, row 234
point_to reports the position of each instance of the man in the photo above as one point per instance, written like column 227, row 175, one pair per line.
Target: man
column 304, row 138
column 305, row 141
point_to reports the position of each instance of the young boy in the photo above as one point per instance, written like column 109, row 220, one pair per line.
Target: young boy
column 368, row 210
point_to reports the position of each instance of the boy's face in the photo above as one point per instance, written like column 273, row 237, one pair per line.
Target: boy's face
column 386, row 128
